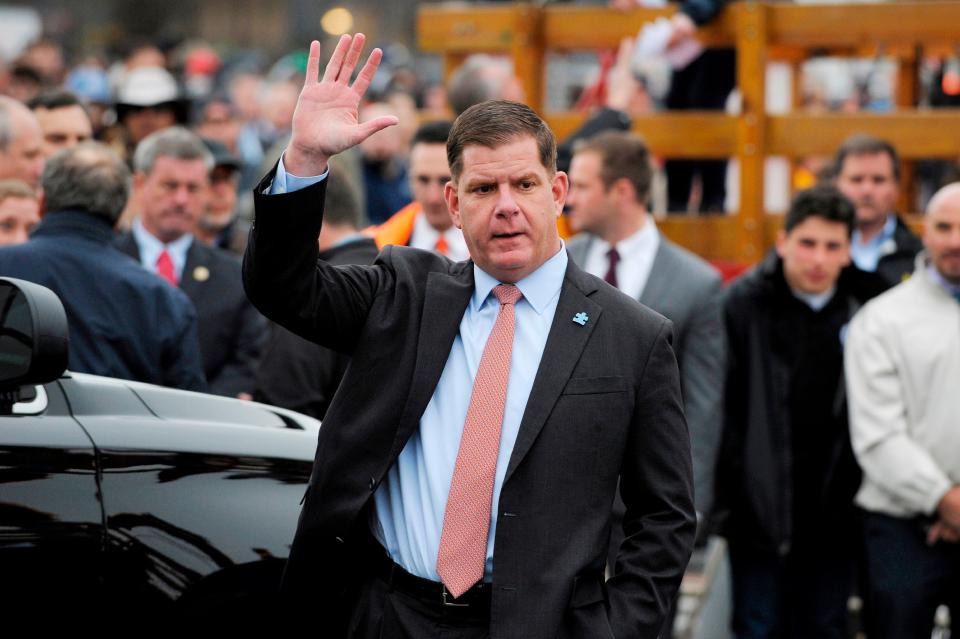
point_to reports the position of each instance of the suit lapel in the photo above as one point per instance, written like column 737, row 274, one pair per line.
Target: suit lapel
column 564, row 346
column 659, row 280
column 445, row 299
column 128, row 244
column 196, row 260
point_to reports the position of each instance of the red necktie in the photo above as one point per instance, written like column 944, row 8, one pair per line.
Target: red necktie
column 466, row 521
column 441, row 246
column 165, row 268
column 611, row 276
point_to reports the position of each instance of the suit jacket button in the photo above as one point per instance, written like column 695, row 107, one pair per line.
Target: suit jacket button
column 373, row 484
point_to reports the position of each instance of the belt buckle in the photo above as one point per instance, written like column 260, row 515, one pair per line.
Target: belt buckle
column 450, row 602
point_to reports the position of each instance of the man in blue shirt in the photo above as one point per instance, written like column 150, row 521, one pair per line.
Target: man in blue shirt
column 868, row 173
column 587, row 395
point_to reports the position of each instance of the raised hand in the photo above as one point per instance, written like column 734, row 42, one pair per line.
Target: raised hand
column 326, row 120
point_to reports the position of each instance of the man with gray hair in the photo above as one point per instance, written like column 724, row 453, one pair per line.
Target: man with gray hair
column 124, row 322
column 172, row 183
column 21, row 143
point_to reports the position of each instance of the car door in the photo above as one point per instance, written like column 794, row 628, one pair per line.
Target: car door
column 201, row 493
column 51, row 521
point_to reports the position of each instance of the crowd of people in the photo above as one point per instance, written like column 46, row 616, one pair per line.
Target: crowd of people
column 819, row 388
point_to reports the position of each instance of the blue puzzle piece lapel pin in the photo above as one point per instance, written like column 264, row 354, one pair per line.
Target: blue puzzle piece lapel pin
column 581, row 319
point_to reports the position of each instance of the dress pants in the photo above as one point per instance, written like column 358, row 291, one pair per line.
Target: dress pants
column 382, row 612
column 906, row 578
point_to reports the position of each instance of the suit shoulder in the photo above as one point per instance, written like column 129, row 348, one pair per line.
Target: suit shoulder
column 626, row 308
column 689, row 265
column 406, row 260
column 578, row 241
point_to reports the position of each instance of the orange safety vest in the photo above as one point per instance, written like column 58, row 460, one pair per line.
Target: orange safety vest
column 398, row 229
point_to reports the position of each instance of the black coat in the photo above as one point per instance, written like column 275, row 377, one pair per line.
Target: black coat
column 897, row 264
column 605, row 404
column 232, row 332
column 300, row 375
column 773, row 340
column 124, row 321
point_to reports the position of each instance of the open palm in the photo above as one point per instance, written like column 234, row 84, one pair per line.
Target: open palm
column 326, row 119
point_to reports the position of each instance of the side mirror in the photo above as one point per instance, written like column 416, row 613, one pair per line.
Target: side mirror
column 34, row 338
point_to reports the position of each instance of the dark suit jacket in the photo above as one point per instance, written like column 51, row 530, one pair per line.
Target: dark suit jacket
column 605, row 405
column 124, row 322
column 231, row 331
column 301, row 375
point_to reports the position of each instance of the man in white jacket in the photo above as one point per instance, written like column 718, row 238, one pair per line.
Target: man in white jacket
column 903, row 379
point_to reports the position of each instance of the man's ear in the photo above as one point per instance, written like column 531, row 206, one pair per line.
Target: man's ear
column 560, row 185
column 139, row 178
column 781, row 242
column 453, row 202
column 623, row 190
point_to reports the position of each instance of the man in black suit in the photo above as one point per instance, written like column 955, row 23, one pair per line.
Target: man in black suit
column 426, row 513
column 172, row 179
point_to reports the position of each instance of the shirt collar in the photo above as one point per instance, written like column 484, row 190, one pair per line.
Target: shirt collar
column 645, row 239
column 942, row 281
column 889, row 228
column 538, row 288
column 151, row 247
column 815, row 301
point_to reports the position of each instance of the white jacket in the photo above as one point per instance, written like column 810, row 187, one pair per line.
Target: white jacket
column 902, row 361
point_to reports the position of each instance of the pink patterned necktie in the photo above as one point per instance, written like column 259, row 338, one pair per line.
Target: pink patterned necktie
column 165, row 268
column 466, row 521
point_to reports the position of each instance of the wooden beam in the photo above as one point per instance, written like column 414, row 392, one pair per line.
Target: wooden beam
column 457, row 28
column 674, row 134
column 915, row 134
column 864, row 24
column 572, row 27
column 752, row 37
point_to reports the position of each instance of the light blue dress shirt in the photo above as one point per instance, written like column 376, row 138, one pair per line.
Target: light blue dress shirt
column 151, row 248
column 412, row 499
column 867, row 256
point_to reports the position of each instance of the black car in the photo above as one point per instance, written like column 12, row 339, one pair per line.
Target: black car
column 122, row 496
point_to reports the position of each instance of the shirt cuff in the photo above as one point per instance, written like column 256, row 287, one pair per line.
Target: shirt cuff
column 284, row 182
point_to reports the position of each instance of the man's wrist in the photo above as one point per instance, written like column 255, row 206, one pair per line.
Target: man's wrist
column 304, row 164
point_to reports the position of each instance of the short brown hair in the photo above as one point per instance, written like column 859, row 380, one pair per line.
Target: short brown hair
column 495, row 123
column 862, row 144
column 16, row 188
column 624, row 156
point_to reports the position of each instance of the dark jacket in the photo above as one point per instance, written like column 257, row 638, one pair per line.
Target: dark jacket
column 124, row 321
column 605, row 404
column 300, row 375
column 899, row 259
column 231, row 331
column 785, row 365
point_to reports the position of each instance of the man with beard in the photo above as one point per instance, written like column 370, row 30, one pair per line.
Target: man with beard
column 902, row 364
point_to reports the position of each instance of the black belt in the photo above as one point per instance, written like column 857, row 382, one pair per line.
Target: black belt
column 476, row 600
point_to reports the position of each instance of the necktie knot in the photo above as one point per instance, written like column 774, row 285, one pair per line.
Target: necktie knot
column 507, row 293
